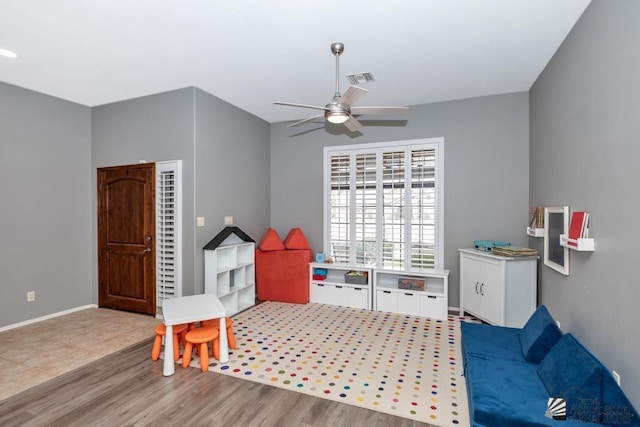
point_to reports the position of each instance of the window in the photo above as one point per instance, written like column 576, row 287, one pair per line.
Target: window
column 383, row 204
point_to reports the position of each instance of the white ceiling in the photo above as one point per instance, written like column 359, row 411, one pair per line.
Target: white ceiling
column 253, row 52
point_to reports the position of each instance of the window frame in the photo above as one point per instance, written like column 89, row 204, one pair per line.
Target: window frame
column 436, row 143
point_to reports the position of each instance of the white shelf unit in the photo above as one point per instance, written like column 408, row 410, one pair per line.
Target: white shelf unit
column 582, row 245
column 535, row 232
column 432, row 302
column 499, row 290
column 334, row 289
column 230, row 274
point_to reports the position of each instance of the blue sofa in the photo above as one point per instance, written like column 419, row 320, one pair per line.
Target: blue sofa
column 512, row 373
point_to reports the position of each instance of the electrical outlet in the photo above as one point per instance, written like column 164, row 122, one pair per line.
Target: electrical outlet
column 616, row 376
column 228, row 220
column 200, row 221
column 558, row 323
column 31, row 296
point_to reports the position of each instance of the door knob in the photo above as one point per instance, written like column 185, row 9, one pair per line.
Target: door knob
column 147, row 239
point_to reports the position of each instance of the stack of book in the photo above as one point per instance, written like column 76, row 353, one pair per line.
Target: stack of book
column 579, row 227
column 536, row 217
column 514, row 251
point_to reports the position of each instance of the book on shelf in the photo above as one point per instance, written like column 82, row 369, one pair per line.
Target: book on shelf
column 578, row 227
column 536, row 217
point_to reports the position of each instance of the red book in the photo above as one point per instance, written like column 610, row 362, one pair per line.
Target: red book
column 577, row 225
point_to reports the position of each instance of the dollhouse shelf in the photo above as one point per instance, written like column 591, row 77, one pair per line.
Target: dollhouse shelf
column 535, row 232
column 582, row 245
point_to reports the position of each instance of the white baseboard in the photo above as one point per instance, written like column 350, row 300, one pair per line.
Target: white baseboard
column 48, row 316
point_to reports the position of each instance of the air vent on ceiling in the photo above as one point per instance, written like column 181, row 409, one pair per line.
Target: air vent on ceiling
column 360, row 78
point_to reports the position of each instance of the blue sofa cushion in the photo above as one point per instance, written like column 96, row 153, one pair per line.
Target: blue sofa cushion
column 491, row 341
column 617, row 411
column 508, row 393
column 538, row 335
column 570, row 371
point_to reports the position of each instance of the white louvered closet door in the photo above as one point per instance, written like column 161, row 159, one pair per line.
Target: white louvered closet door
column 168, row 230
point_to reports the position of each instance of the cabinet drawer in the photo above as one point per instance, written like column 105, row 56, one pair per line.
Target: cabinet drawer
column 386, row 301
column 321, row 293
column 409, row 303
column 358, row 298
column 433, row 306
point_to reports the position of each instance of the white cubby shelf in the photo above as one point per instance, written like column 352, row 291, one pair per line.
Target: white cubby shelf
column 229, row 269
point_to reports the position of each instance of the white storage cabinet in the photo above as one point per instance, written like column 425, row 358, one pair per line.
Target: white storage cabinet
column 432, row 302
column 499, row 290
column 334, row 289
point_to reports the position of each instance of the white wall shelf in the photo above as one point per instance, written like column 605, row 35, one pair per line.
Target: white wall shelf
column 535, row 232
column 581, row 245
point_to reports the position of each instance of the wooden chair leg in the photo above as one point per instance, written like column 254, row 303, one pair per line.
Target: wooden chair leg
column 186, row 358
column 176, row 347
column 231, row 339
column 204, row 357
column 216, row 348
column 157, row 346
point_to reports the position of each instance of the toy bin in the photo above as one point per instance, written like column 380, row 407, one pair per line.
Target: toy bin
column 356, row 277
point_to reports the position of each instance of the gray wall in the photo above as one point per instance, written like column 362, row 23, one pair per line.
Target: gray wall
column 152, row 128
column 45, row 217
column 486, row 182
column 584, row 142
column 225, row 169
column 232, row 172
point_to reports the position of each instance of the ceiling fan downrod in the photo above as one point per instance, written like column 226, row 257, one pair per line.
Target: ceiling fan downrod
column 337, row 48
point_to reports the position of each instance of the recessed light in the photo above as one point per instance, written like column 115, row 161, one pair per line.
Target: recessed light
column 8, row 53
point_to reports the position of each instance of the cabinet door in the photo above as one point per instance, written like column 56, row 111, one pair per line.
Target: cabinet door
column 471, row 281
column 409, row 303
column 492, row 292
column 358, row 297
column 387, row 301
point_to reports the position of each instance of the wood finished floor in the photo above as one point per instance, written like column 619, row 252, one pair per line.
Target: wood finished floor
column 126, row 389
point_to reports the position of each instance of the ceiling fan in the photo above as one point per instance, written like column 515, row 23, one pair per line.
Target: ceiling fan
column 341, row 110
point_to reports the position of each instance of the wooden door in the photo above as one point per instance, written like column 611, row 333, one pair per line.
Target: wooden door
column 126, row 238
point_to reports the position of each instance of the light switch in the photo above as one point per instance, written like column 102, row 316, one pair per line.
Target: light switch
column 228, row 220
column 200, row 221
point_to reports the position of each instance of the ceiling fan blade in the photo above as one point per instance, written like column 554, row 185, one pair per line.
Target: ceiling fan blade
column 308, row 119
column 292, row 104
column 352, row 95
column 378, row 110
column 352, row 124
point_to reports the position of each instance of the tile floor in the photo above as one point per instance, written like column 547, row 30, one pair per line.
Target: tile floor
column 33, row 354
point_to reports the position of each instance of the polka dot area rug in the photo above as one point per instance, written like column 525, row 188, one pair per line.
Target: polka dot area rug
column 402, row 365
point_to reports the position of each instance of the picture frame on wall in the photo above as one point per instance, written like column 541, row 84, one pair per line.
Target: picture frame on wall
column 556, row 220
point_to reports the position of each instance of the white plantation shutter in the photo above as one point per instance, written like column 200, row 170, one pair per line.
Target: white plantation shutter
column 393, row 205
column 168, row 230
column 384, row 204
column 365, row 209
column 339, row 223
column 423, row 208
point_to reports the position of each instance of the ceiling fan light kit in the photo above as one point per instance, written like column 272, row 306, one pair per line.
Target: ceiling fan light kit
column 339, row 110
